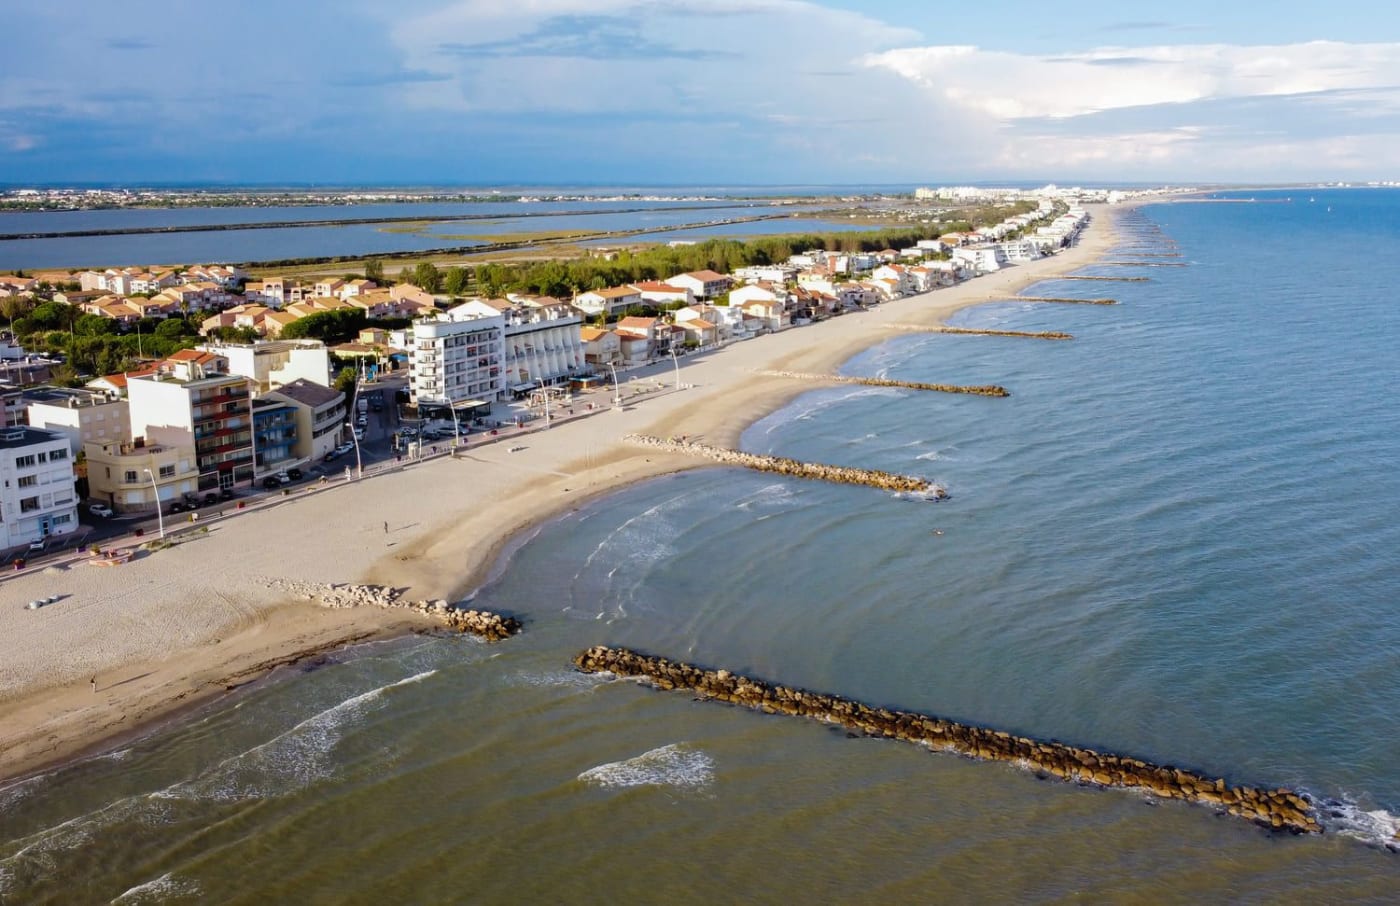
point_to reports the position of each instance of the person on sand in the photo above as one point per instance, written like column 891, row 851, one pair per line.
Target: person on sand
column 94, row 685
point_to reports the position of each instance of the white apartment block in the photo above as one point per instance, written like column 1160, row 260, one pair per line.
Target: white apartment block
column 457, row 360
column 83, row 416
column 275, row 363
column 37, row 499
column 542, row 343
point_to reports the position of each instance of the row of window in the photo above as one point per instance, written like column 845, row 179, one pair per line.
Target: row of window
column 29, row 460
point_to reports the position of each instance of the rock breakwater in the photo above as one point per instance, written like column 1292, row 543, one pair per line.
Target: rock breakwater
column 1278, row 809
column 974, row 390
column 1096, row 277
column 1064, row 299
column 490, row 626
column 969, row 331
column 795, row 468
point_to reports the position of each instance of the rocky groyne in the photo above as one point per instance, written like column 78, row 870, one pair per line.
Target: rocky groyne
column 796, row 468
column 1279, row 809
column 1140, row 264
column 974, row 390
column 491, row 626
column 1096, row 277
column 968, row 331
column 1066, row 300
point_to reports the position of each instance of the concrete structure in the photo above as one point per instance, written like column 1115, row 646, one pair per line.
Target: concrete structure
column 81, row 415
column 193, row 401
column 321, row 414
column 452, row 360
column 37, row 499
column 116, row 473
column 273, row 364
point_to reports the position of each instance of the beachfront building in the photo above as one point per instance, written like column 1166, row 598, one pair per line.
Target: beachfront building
column 79, row 414
column 608, row 302
column 600, row 346
column 321, row 414
column 131, row 477
column 702, row 284
column 656, row 293
column 192, row 400
column 983, row 259
column 541, row 339
column 37, row 499
column 455, row 359
column 274, row 435
column 271, row 364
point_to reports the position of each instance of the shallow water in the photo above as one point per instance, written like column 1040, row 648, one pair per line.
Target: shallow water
column 1174, row 540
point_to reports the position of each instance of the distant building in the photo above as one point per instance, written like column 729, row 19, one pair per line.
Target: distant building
column 608, row 301
column 272, row 364
column 702, row 284
column 37, row 499
column 81, row 415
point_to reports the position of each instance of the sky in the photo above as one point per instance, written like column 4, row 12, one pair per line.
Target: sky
column 697, row 92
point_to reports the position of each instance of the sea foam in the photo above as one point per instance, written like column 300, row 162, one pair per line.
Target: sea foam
column 676, row 765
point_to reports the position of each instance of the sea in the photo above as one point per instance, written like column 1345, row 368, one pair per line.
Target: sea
column 1176, row 539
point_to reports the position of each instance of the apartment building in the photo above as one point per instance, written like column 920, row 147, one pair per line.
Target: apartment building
column 457, row 359
column 37, row 499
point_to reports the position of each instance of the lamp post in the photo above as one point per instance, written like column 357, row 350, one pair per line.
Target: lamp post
column 160, row 518
column 677, row 362
column 545, row 393
column 617, row 393
column 456, row 427
column 359, row 467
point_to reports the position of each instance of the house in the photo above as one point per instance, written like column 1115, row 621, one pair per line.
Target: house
column 651, row 328
column 702, row 284
column 116, row 384
column 329, row 287
column 407, row 292
column 608, row 301
column 767, row 273
column 757, row 292
column 357, row 287
column 771, row 315
column 898, row 277
column 663, row 293
column 79, row 414
column 321, row 414
column 17, row 286
column 37, row 497
column 982, row 259
column 728, row 320
column 600, row 346
column 698, row 332
column 271, row 364
column 133, row 476
column 274, row 321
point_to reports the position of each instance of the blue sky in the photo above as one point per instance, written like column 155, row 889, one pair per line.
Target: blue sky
column 655, row 92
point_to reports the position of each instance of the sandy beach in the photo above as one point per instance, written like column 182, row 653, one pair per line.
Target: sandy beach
column 179, row 626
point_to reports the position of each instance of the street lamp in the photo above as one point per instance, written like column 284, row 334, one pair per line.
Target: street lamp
column 677, row 362
column 617, row 393
column 359, row 467
column 545, row 393
column 160, row 518
column 456, row 428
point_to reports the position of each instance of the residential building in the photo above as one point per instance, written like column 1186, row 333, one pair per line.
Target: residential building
column 81, row 415
column 37, row 498
column 758, row 292
column 131, row 477
column 608, row 301
column 658, row 293
column 272, row 363
column 767, row 273
column 274, row 435
column 702, row 284
column 983, row 259
column 454, row 360
column 321, row 414
column 193, row 400
column 541, row 339
column 600, row 346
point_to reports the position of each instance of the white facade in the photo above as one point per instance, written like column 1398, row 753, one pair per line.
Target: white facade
column 541, row 342
column 983, row 259
column 456, row 360
column 37, row 499
column 276, row 363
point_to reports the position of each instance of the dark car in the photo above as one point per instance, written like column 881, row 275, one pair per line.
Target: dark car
column 179, row 506
column 226, row 494
column 210, row 497
column 294, row 474
column 271, row 482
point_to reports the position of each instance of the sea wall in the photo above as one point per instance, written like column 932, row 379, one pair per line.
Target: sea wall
column 795, row 468
column 1064, row 299
column 975, row 390
column 491, row 626
column 1280, row 809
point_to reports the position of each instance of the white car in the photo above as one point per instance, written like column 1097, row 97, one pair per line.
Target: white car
column 38, row 546
column 101, row 509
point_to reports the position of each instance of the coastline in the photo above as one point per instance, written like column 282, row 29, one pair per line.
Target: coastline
column 186, row 625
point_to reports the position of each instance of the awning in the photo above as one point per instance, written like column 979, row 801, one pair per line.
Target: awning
column 521, row 388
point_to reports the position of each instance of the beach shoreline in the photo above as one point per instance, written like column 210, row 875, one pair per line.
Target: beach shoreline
column 188, row 625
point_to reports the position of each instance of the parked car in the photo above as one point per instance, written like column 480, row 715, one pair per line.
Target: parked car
column 359, row 433
column 39, row 546
column 101, row 509
column 271, row 482
column 294, row 474
column 210, row 497
column 332, row 455
column 226, row 494
column 180, row 506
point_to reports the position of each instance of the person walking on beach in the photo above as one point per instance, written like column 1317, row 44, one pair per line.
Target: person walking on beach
column 386, row 528
column 94, row 685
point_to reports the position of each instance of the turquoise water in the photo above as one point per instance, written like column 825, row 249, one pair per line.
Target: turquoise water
column 1175, row 539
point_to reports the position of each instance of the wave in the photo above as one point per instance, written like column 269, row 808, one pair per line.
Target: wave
column 675, row 765
column 164, row 889
column 1349, row 819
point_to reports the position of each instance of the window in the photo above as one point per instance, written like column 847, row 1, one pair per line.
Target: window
column 43, row 457
column 29, row 504
column 58, row 455
column 131, row 476
column 28, row 481
column 62, row 519
column 167, row 471
column 22, row 462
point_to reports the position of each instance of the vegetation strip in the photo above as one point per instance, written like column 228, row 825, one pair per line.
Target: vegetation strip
column 1279, row 809
column 974, row 390
column 1064, row 299
column 796, row 468
column 968, row 331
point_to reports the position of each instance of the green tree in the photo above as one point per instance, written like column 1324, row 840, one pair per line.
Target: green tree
column 94, row 325
column 426, row 276
column 454, row 282
column 174, row 328
column 345, row 380
column 53, row 316
column 374, row 270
